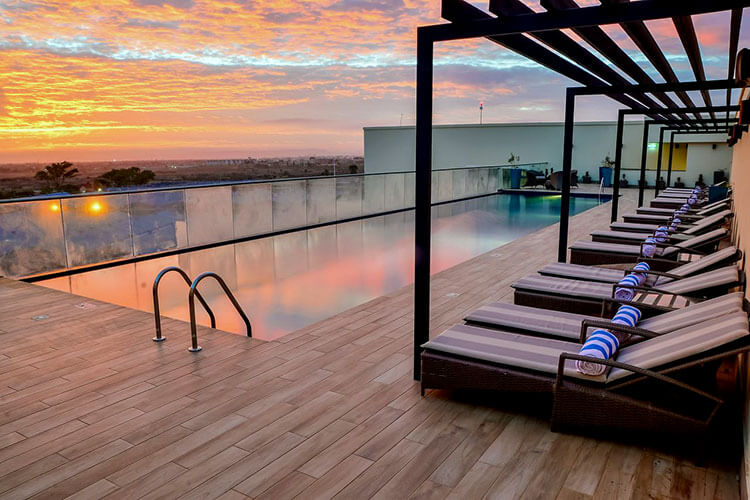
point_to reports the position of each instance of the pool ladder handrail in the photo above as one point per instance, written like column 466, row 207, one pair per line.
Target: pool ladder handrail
column 191, row 300
column 157, row 313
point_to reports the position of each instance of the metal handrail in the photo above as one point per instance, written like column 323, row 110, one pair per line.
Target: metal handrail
column 191, row 299
column 157, row 315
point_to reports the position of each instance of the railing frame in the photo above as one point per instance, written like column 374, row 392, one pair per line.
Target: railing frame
column 191, row 300
column 157, row 315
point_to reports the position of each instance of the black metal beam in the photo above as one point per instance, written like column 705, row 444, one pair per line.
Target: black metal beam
column 618, row 162
column 686, row 32
column 671, row 154
column 643, row 10
column 570, row 103
column 644, row 40
column 461, row 12
column 644, row 158
column 666, row 87
column 658, row 162
column 423, row 194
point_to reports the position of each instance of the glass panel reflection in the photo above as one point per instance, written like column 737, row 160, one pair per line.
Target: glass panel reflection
column 209, row 214
column 394, row 191
column 321, row 200
column 158, row 221
column 348, row 197
column 374, row 194
column 31, row 238
column 293, row 280
column 251, row 208
column 289, row 204
column 97, row 229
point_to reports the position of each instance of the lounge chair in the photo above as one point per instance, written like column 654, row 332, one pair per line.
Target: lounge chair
column 684, row 232
column 700, row 225
column 589, row 297
column 609, row 275
column 469, row 357
column 666, row 256
column 705, row 210
column 570, row 326
column 665, row 218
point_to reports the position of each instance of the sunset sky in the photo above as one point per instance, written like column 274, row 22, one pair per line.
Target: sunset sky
column 145, row 79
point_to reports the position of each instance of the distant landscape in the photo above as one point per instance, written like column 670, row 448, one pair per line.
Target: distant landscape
column 17, row 179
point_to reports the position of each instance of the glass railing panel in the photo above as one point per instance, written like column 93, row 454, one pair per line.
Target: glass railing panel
column 251, row 209
column 157, row 219
column 394, row 191
column 445, row 185
column 289, row 204
column 459, row 183
column 483, row 183
column 31, row 238
column 374, row 194
column 97, row 229
column 348, row 197
column 209, row 214
column 321, row 200
column 472, row 182
column 409, row 187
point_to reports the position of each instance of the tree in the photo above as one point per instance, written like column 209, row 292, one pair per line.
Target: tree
column 56, row 175
column 122, row 177
column 353, row 169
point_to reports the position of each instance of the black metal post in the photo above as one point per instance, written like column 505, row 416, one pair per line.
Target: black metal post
column 644, row 158
column 570, row 103
column 618, row 162
column 423, row 193
column 671, row 153
column 658, row 161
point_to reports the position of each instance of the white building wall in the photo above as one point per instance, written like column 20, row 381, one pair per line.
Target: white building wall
column 392, row 149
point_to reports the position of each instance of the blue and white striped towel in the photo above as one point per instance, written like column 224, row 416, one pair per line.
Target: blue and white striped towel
column 692, row 200
column 603, row 344
column 649, row 247
column 661, row 236
column 626, row 294
column 642, row 268
column 686, row 207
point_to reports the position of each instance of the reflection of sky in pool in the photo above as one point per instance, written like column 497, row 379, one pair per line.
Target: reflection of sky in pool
column 289, row 281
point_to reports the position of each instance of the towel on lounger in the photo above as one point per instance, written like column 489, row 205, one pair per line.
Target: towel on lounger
column 603, row 344
column 627, row 293
column 661, row 236
column 642, row 269
column 649, row 247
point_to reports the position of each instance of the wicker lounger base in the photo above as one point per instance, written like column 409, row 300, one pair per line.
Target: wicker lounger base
column 576, row 406
column 585, row 409
column 446, row 371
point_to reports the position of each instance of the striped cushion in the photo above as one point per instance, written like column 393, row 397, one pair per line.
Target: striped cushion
column 707, row 222
column 700, row 311
column 568, row 325
column 578, row 271
column 704, row 262
column 703, row 281
column 694, row 242
column 633, row 227
column 682, row 343
column 510, row 349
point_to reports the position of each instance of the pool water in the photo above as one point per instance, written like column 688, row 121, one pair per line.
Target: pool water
column 289, row 281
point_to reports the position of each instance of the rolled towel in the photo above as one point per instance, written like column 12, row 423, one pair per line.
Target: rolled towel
column 685, row 207
column 661, row 236
column 601, row 344
column 628, row 316
column 676, row 221
column 642, row 268
column 627, row 294
column 692, row 201
column 649, row 247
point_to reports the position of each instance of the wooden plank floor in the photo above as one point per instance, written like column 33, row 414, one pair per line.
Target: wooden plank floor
column 91, row 408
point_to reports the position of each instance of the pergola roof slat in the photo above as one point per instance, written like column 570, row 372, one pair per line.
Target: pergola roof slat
column 735, row 24
column 686, row 32
column 645, row 41
column 458, row 11
column 572, row 50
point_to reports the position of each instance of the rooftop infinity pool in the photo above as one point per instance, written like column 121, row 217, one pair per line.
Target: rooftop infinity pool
column 292, row 280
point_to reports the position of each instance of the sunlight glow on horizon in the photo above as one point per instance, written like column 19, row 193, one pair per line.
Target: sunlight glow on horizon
column 140, row 79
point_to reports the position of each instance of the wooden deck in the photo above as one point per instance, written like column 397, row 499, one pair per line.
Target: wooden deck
column 90, row 407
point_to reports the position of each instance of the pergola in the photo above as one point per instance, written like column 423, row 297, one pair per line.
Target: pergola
column 515, row 26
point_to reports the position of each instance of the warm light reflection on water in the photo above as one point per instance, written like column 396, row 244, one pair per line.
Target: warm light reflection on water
column 290, row 281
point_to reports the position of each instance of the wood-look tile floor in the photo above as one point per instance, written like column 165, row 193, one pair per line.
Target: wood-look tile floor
column 91, row 408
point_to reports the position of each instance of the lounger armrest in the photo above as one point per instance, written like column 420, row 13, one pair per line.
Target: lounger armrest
column 633, row 369
column 601, row 323
column 654, row 273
